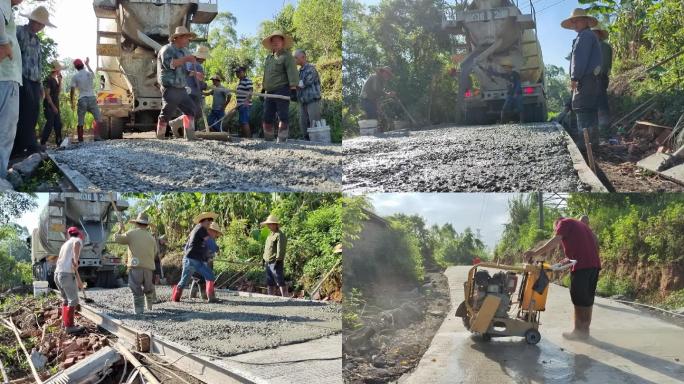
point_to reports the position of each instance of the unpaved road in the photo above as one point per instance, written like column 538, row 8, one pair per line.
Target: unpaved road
column 627, row 346
column 143, row 165
column 234, row 326
column 501, row 158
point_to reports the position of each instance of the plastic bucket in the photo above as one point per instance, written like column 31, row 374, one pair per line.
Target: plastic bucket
column 368, row 127
column 40, row 288
column 320, row 133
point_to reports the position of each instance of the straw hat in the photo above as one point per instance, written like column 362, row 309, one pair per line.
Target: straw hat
column 202, row 52
column 266, row 42
column 204, row 216
column 603, row 33
column 40, row 15
column 141, row 219
column 214, row 227
column 576, row 14
column 215, row 77
column 56, row 66
column 182, row 31
column 271, row 219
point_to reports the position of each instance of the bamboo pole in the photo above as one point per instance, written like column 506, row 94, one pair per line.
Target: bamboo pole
column 590, row 153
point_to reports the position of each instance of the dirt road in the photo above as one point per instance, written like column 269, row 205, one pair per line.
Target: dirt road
column 143, row 165
column 499, row 158
column 627, row 346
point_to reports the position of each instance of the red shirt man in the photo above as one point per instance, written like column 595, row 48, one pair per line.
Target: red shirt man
column 579, row 243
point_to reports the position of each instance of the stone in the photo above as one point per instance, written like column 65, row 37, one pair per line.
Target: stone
column 29, row 165
column 6, row 186
column 15, row 178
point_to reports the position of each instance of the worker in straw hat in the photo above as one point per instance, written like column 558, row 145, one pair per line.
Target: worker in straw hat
column 195, row 255
column 31, row 90
column 172, row 75
column 195, row 80
column 585, row 68
column 604, row 78
column 220, row 97
column 280, row 78
column 198, row 284
column 142, row 249
column 53, row 119
column 274, row 257
column 514, row 95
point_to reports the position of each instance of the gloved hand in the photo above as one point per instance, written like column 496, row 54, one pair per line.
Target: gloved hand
column 293, row 94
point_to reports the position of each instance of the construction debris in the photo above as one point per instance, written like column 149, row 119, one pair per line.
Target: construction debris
column 90, row 370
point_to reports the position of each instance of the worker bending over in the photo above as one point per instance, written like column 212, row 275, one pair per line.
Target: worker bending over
column 195, row 253
column 67, row 279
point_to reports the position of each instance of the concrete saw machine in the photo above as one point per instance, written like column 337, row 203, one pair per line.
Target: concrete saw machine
column 505, row 300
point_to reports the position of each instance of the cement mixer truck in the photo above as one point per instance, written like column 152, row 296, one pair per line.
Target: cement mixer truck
column 129, row 34
column 486, row 33
column 96, row 214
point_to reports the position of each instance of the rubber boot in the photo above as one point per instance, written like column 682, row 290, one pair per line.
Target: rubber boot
column 269, row 133
column 65, row 314
column 176, row 294
column 150, row 298
column 283, row 132
column 69, row 322
column 245, row 131
column 161, row 129
column 79, row 131
column 97, row 133
column 189, row 126
column 138, row 305
column 211, row 294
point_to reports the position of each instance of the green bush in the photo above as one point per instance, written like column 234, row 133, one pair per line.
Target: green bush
column 609, row 285
column 674, row 300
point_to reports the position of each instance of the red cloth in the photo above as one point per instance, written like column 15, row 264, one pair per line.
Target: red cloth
column 579, row 243
column 476, row 260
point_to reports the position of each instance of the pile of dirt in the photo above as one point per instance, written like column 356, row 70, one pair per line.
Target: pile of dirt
column 618, row 163
column 392, row 341
column 39, row 323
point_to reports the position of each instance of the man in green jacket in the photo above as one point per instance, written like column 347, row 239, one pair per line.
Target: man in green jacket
column 281, row 77
column 274, row 257
column 142, row 248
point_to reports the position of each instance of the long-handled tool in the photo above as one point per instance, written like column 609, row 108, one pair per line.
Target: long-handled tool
column 85, row 298
column 413, row 121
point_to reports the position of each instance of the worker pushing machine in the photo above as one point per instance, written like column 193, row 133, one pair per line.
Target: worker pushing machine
column 142, row 248
column 172, row 76
column 281, row 77
column 195, row 253
column 580, row 244
column 274, row 257
column 67, row 279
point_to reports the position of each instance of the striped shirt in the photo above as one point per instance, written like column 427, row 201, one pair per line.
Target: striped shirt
column 244, row 86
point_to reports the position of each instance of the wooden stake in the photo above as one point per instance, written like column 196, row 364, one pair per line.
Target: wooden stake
column 590, row 153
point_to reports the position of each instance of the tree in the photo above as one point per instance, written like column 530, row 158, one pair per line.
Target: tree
column 557, row 91
column 318, row 26
column 13, row 205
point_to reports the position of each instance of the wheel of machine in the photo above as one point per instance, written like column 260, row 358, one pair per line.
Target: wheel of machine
column 532, row 336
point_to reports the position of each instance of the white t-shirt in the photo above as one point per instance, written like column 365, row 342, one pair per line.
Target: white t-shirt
column 83, row 81
column 66, row 255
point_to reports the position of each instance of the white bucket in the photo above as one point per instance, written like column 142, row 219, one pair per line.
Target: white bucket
column 368, row 127
column 320, row 132
column 40, row 288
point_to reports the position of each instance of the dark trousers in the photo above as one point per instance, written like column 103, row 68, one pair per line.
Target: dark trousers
column 52, row 121
column 29, row 104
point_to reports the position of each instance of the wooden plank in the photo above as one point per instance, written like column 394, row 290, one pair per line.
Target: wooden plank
column 483, row 317
column 585, row 174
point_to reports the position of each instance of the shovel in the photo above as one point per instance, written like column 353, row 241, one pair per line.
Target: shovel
column 85, row 298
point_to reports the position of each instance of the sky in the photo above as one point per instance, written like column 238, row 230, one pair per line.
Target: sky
column 487, row 212
column 30, row 219
column 78, row 39
column 555, row 41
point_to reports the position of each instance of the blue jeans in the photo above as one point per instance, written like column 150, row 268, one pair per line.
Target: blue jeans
column 214, row 116
column 191, row 266
column 243, row 112
column 9, row 115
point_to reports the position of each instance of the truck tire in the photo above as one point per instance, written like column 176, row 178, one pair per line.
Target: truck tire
column 115, row 129
column 40, row 272
column 106, row 279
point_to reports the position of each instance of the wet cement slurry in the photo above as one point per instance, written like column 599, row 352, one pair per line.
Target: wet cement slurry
column 499, row 158
column 627, row 346
column 143, row 165
column 234, row 326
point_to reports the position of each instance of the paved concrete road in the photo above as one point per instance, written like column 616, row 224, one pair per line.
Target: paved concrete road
column 627, row 346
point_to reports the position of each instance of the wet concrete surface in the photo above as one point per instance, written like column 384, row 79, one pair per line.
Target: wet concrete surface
column 501, row 158
column 234, row 326
column 627, row 346
column 143, row 165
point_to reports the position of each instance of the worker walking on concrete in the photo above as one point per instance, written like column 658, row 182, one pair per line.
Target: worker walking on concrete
column 585, row 68
column 87, row 101
column 172, row 75
column 308, row 92
column 280, row 78
column 10, row 81
column 245, row 89
column 67, row 279
column 219, row 102
column 579, row 243
column 374, row 90
column 604, row 79
column 274, row 257
column 195, row 80
column 198, row 284
column 142, row 248
column 514, row 95
column 31, row 90
column 195, row 253
column 53, row 117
